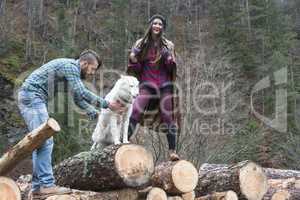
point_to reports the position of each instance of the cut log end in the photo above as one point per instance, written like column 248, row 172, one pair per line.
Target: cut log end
column 281, row 195
column 9, row 190
column 253, row 181
column 230, row 195
column 185, row 176
column 53, row 124
column 175, row 198
column 188, row 196
column 157, row 194
column 134, row 164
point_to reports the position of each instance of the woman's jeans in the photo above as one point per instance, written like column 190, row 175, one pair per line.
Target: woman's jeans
column 34, row 111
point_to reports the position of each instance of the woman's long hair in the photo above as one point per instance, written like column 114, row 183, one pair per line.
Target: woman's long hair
column 145, row 44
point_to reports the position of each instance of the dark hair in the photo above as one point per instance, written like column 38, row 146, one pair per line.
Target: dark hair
column 90, row 55
column 157, row 16
column 145, row 42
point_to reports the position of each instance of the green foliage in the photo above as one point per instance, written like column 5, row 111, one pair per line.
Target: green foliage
column 258, row 37
column 291, row 150
column 12, row 61
column 244, row 145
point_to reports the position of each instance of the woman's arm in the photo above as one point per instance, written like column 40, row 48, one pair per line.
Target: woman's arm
column 169, row 56
column 133, row 61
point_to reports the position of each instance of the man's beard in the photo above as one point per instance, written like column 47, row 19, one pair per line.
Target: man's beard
column 82, row 75
column 86, row 77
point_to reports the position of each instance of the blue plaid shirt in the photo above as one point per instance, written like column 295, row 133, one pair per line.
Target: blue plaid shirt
column 42, row 81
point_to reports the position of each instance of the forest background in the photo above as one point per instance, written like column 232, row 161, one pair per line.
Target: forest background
column 238, row 72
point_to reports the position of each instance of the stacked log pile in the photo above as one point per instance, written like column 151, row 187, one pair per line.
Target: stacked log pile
column 127, row 172
column 246, row 178
column 281, row 184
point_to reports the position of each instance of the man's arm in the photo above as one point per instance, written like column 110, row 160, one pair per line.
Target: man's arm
column 90, row 110
column 72, row 74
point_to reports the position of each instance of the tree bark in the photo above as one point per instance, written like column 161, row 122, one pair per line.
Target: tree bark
column 124, row 194
column 229, row 195
column 115, row 167
column 246, row 178
column 271, row 173
column 9, row 189
column 283, row 189
column 27, row 145
column 175, row 177
column 281, row 173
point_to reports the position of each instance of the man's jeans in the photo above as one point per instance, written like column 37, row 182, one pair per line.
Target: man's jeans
column 34, row 111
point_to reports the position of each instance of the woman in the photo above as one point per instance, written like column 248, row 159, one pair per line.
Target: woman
column 152, row 58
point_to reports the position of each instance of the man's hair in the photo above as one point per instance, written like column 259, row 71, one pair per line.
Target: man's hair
column 89, row 56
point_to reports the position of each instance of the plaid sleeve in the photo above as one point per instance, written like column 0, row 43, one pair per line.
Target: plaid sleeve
column 72, row 74
column 90, row 110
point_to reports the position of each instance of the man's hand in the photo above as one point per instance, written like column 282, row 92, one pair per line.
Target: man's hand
column 117, row 107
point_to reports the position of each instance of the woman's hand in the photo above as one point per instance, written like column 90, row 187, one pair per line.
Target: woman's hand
column 133, row 55
column 166, row 53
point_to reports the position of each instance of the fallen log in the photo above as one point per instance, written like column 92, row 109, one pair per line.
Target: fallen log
column 284, row 183
column 271, row 173
column 246, row 178
column 124, row 194
column 175, row 177
column 24, row 183
column 27, row 145
column 284, row 195
column 281, row 173
column 156, row 194
column 115, row 167
column 9, row 190
column 283, row 189
column 229, row 195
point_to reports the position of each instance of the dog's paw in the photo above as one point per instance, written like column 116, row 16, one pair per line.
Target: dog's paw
column 117, row 142
column 126, row 141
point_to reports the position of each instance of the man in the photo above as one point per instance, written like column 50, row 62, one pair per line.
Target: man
column 33, row 97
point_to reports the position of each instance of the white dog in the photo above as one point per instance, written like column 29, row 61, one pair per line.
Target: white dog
column 111, row 124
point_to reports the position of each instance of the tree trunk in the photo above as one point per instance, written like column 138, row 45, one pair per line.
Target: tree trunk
column 271, row 173
column 124, row 194
column 156, row 194
column 175, row 177
column 27, row 145
column 229, row 195
column 246, row 178
column 283, row 189
column 2, row 7
column 9, row 190
column 115, row 167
